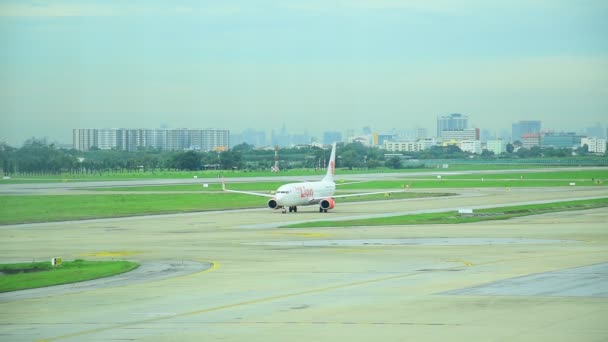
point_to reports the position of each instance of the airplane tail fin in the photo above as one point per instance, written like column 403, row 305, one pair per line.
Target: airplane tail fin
column 331, row 167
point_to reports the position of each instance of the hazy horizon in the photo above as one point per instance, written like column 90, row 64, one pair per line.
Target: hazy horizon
column 309, row 65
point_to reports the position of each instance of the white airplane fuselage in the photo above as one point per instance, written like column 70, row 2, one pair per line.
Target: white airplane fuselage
column 295, row 194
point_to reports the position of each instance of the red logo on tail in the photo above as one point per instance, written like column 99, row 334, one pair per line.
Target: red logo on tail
column 332, row 166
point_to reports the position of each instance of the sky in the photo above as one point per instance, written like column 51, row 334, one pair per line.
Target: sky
column 314, row 65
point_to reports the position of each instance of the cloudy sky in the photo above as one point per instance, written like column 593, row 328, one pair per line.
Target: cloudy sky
column 311, row 64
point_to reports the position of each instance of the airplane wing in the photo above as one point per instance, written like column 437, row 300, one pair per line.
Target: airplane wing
column 244, row 192
column 360, row 194
column 366, row 193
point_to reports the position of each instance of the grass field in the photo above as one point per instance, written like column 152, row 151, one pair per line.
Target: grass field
column 28, row 209
column 22, row 209
column 452, row 217
column 41, row 274
column 67, row 177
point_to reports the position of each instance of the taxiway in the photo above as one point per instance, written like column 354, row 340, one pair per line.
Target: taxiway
column 480, row 281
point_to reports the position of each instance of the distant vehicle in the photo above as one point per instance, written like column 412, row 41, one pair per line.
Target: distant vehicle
column 293, row 195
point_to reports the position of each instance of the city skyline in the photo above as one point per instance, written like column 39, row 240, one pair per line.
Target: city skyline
column 269, row 136
column 314, row 66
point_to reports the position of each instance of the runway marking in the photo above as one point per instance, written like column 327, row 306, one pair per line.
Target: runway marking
column 214, row 266
column 466, row 263
column 230, row 306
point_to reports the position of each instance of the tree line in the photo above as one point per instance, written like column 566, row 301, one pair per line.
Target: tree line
column 37, row 157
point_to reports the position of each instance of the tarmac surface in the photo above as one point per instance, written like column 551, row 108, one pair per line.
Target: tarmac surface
column 528, row 279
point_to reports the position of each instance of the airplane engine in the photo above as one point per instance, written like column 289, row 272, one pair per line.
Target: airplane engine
column 328, row 203
column 272, row 204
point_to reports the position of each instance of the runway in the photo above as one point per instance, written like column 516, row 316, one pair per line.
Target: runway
column 428, row 282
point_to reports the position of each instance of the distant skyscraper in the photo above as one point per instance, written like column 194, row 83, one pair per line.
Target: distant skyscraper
column 452, row 122
column 521, row 128
column 421, row 133
column 255, row 138
column 281, row 139
column 595, row 131
column 331, row 137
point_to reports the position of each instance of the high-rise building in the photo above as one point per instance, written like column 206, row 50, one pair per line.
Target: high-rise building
column 421, row 133
column 380, row 138
column 595, row 131
column 560, row 140
column 497, row 146
column 460, row 134
column 471, row 146
column 164, row 139
column 156, row 138
column 83, row 139
column 253, row 137
column 521, row 128
column 215, row 139
column 452, row 122
column 178, row 139
column 106, row 138
column 331, row 137
column 529, row 140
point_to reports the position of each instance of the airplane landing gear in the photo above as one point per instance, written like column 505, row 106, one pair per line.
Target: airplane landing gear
column 293, row 209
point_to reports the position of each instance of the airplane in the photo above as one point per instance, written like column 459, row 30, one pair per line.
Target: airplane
column 320, row 192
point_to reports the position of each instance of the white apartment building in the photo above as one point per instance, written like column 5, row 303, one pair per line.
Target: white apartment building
column 530, row 140
column 83, row 139
column 596, row 145
column 404, row 146
column 497, row 146
column 164, row 139
column 471, row 146
column 106, row 139
column 461, row 134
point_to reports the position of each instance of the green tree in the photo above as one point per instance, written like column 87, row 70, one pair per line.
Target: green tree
column 583, row 150
column 189, row 160
column 487, row 154
column 394, row 162
column 243, row 148
column 230, row 160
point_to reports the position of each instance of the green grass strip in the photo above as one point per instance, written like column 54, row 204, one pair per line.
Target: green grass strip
column 452, row 217
column 41, row 274
column 30, row 209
